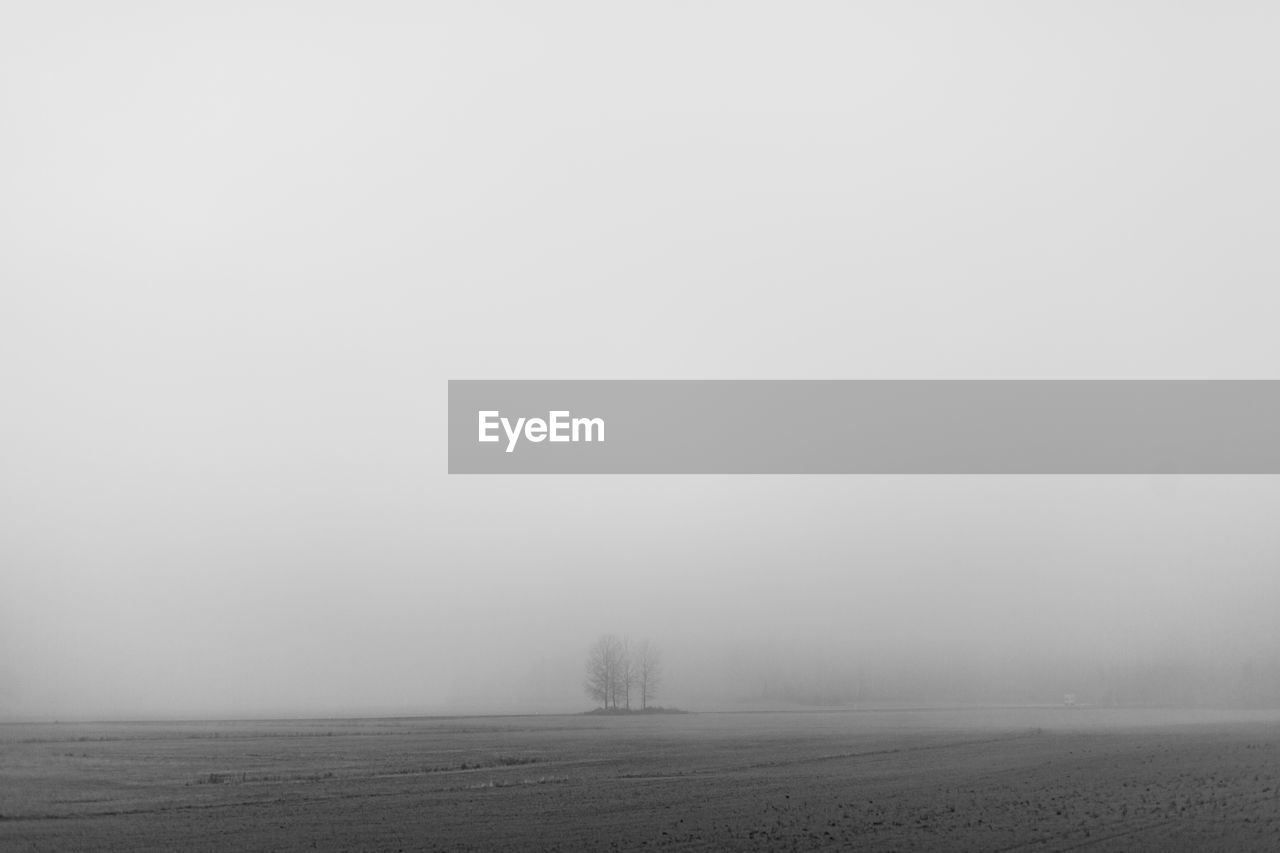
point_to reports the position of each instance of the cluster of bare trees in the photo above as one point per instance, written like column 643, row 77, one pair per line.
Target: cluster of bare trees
column 617, row 669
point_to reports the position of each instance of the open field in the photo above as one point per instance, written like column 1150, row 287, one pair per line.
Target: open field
column 1008, row 779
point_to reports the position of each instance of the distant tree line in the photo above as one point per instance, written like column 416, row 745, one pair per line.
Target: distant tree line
column 618, row 669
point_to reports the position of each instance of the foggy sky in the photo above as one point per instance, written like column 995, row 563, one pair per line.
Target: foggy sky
column 245, row 247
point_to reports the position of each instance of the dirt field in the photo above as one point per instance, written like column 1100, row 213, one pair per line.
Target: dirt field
column 1027, row 779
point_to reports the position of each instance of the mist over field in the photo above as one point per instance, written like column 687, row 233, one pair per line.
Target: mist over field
column 246, row 249
column 800, row 590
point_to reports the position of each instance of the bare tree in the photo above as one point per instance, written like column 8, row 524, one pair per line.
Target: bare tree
column 597, row 682
column 605, row 661
column 646, row 665
column 616, row 668
column 626, row 674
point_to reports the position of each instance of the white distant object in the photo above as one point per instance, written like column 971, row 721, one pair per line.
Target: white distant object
column 1069, row 700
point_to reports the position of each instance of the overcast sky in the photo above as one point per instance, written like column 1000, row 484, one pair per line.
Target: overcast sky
column 243, row 247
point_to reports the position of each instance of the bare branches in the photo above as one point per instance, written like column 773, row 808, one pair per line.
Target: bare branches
column 647, row 662
column 605, row 661
column 617, row 668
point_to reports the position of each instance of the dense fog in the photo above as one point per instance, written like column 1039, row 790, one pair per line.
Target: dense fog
column 247, row 247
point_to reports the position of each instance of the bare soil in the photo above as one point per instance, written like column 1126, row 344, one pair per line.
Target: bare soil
column 1010, row 779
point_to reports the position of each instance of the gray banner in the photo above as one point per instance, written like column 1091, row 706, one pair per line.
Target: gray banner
column 863, row 427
